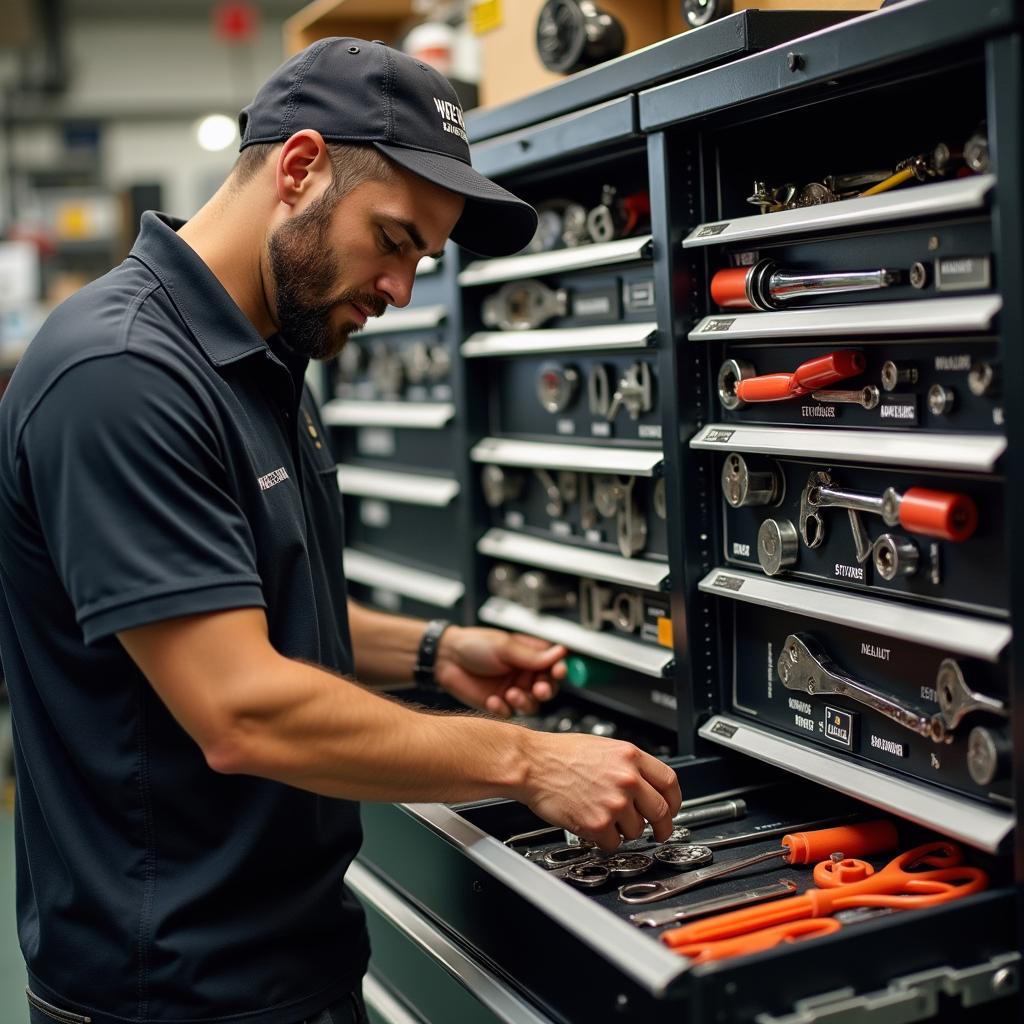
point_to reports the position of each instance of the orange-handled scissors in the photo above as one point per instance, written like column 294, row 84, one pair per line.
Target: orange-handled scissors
column 754, row 942
column 851, row 883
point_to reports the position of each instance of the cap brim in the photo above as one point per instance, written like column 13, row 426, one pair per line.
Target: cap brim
column 494, row 222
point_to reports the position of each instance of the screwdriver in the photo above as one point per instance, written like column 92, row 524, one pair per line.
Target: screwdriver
column 860, row 840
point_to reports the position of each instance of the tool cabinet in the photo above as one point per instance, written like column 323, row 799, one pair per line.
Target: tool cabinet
column 809, row 602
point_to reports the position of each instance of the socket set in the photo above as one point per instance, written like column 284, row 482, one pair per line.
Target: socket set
column 621, row 513
column 620, row 212
column 414, row 367
column 909, row 706
column 890, row 531
column 596, row 605
column 592, row 396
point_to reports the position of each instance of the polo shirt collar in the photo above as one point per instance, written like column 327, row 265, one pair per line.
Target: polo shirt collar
column 222, row 330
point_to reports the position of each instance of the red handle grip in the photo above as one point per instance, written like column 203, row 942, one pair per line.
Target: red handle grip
column 809, row 376
column 729, row 288
column 938, row 514
column 769, row 387
column 829, row 369
column 861, row 840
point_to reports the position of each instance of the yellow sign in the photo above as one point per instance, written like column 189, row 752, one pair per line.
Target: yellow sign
column 485, row 16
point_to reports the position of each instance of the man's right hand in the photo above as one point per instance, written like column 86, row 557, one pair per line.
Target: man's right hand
column 603, row 790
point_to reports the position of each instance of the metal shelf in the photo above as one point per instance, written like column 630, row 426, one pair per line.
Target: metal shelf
column 940, row 198
column 560, row 339
column 520, row 547
column 924, row 316
column 388, row 485
column 974, row 823
column 976, row 453
column 579, row 458
column 957, row 634
column 419, row 415
column 416, row 584
column 630, row 654
column 582, row 257
column 423, row 318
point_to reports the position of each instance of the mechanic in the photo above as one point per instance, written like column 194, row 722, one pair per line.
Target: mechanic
column 190, row 735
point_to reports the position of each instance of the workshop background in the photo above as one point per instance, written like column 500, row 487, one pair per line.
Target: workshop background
column 491, row 414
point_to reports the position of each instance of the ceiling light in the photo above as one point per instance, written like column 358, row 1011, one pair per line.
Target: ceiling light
column 216, row 132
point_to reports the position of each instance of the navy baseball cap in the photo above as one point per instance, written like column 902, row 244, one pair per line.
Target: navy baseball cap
column 351, row 90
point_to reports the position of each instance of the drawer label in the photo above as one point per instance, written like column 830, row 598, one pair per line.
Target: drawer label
column 727, row 582
column 718, row 325
column 707, row 230
column 963, row 273
column 724, row 729
column 888, row 746
column 839, row 727
column 719, row 436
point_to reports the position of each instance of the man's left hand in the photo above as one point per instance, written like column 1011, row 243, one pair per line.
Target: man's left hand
column 499, row 672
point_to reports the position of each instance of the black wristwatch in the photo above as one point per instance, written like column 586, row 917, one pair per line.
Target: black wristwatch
column 423, row 673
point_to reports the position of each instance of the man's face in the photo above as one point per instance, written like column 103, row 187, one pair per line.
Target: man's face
column 338, row 262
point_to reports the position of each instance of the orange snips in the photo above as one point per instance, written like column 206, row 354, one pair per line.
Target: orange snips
column 922, row 877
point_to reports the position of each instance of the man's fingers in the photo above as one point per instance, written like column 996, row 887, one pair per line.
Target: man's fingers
column 543, row 689
column 496, row 706
column 663, row 779
column 523, row 652
column 655, row 809
column 630, row 823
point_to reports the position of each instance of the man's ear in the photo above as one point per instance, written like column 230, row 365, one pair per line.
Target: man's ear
column 302, row 165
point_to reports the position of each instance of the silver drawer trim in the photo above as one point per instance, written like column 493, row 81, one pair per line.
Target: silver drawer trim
column 968, row 821
column 341, row 412
column 422, row 318
column 582, row 257
column 473, row 976
column 519, row 547
column 643, row 658
column 573, row 457
column 408, row 488
column 427, row 265
column 924, row 201
column 372, row 571
column 925, row 316
column 378, row 998
column 649, row 964
column 559, row 339
column 946, row 631
column 976, row 453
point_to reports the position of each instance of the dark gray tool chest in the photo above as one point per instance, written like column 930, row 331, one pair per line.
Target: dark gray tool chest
column 555, row 443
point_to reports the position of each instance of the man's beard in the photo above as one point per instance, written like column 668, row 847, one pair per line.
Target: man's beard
column 304, row 270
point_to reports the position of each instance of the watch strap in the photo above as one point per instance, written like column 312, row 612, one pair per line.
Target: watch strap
column 426, row 656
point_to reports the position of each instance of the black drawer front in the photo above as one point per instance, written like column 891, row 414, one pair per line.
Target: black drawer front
column 394, row 448
column 905, row 672
column 901, row 373
column 516, row 409
column 969, row 574
column 418, row 534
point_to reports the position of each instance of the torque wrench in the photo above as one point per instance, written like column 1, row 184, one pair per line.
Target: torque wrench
column 771, row 891
column 765, row 287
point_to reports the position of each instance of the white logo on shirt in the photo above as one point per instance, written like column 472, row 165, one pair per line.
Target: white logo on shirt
column 451, row 116
column 272, row 479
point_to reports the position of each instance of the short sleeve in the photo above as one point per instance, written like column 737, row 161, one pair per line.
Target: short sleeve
column 133, row 496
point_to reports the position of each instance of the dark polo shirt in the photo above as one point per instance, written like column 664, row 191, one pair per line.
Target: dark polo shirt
column 159, row 458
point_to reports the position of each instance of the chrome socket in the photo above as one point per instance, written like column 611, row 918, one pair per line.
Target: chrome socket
column 895, row 555
column 743, row 488
column 730, row 373
column 778, row 545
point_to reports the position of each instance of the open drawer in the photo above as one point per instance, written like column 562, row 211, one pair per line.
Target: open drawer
column 575, row 956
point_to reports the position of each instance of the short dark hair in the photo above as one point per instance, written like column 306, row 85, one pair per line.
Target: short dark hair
column 351, row 165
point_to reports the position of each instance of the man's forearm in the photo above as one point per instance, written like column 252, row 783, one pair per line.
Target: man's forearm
column 384, row 646
column 303, row 726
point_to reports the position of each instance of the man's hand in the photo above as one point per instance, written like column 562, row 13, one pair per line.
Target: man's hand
column 600, row 789
column 497, row 671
